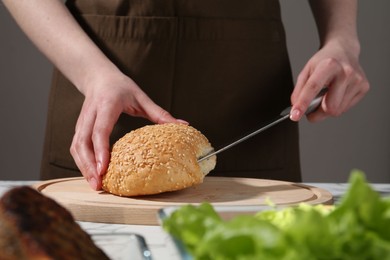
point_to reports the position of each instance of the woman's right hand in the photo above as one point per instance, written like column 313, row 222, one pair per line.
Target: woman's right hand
column 105, row 99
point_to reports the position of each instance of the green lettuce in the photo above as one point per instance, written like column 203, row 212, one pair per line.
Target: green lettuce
column 357, row 228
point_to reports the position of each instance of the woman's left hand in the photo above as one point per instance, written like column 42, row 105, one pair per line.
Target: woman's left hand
column 337, row 67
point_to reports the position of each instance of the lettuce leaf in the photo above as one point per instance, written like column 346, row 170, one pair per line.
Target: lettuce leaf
column 357, row 228
column 190, row 224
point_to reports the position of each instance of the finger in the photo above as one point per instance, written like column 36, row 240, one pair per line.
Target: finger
column 350, row 99
column 356, row 99
column 155, row 113
column 301, row 81
column 335, row 96
column 159, row 115
column 105, row 120
column 323, row 74
column 357, row 89
column 82, row 148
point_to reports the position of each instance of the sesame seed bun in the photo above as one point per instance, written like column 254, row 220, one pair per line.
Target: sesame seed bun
column 158, row 158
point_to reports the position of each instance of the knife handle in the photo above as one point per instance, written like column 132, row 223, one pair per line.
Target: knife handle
column 315, row 103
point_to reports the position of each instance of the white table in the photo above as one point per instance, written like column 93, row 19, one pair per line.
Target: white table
column 159, row 243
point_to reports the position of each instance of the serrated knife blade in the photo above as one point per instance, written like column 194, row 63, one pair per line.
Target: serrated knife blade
column 283, row 115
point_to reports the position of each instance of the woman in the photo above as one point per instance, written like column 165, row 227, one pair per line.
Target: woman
column 220, row 65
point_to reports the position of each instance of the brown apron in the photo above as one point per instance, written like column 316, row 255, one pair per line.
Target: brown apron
column 222, row 65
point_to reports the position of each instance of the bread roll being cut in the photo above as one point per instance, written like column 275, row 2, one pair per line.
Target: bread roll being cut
column 158, row 158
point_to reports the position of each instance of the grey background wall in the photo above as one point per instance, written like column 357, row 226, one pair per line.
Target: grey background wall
column 329, row 150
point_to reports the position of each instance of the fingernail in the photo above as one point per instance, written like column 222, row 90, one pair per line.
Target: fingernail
column 183, row 121
column 93, row 183
column 295, row 114
column 99, row 168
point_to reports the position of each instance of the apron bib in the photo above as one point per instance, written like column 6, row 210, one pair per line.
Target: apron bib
column 221, row 65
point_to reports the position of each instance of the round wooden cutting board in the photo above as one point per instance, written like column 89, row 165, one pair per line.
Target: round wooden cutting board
column 232, row 193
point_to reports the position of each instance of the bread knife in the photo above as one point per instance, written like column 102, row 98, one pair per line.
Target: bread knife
column 283, row 115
